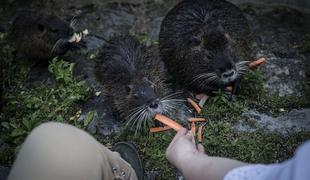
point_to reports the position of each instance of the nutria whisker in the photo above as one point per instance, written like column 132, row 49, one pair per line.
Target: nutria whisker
column 208, row 80
column 58, row 43
column 169, row 107
column 175, row 103
column 171, row 95
column 145, row 119
column 242, row 67
column 73, row 23
column 133, row 115
column 205, row 77
column 242, row 63
column 135, row 112
column 140, row 118
column 213, row 81
column 179, row 101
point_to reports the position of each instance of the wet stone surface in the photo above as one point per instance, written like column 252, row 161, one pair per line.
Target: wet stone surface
column 279, row 35
column 291, row 122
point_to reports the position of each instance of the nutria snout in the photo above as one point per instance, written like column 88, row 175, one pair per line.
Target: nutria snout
column 135, row 80
column 204, row 44
column 42, row 36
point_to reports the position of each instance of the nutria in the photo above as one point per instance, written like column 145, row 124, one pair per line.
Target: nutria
column 135, row 80
column 204, row 44
column 42, row 36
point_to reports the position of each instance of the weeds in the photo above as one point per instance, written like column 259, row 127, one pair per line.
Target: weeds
column 27, row 108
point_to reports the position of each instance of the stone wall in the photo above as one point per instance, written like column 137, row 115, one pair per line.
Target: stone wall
column 300, row 4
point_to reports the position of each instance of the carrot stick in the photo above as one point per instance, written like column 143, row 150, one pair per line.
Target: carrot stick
column 159, row 129
column 195, row 105
column 193, row 128
column 169, row 122
column 256, row 63
column 196, row 119
column 229, row 88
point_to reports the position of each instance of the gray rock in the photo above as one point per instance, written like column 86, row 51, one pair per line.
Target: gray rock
column 293, row 121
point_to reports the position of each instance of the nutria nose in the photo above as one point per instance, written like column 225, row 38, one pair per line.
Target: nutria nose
column 153, row 105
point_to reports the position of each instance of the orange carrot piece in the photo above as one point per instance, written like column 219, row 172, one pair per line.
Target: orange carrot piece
column 193, row 128
column 256, row 63
column 159, row 129
column 196, row 119
column 195, row 105
column 168, row 122
column 229, row 88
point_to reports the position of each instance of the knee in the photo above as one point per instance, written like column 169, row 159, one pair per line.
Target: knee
column 49, row 130
column 59, row 140
column 54, row 134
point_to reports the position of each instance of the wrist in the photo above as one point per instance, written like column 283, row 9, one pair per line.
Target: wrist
column 192, row 163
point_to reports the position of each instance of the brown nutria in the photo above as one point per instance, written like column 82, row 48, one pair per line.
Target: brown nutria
column 42, row 36
column 204, row 44
column 135, row 80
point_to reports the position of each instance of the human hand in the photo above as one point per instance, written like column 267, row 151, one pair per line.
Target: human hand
column 193, row 162
column 182, row 149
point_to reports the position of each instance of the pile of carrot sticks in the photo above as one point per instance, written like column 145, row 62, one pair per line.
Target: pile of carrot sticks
column 171, row 124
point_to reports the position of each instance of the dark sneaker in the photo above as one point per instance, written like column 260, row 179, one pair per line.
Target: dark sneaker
column 129, row 153
column 4, row 172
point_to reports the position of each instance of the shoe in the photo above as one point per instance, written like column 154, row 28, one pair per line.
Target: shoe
column 4, row 172
column 130, row 154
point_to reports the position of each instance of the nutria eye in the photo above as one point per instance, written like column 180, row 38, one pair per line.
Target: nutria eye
column 195, row 41
column 136, row 96
column 41, row 28
column 128, row 89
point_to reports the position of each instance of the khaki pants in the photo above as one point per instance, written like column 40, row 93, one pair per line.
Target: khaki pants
column 55, row 151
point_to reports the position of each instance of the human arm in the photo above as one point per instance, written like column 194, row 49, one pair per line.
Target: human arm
column 193, row 162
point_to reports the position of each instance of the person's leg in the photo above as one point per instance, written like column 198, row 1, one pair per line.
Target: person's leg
column 55, row 151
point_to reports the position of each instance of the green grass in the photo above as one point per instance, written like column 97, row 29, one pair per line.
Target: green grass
column 26, row 108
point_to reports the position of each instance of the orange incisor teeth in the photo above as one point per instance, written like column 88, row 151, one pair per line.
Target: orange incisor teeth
column 229, row 88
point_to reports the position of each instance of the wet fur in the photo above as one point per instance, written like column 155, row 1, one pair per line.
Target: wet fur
column 201, row 39
column 40, row 36
column 134, row 77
